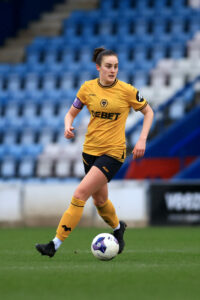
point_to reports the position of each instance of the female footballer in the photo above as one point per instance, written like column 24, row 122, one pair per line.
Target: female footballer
column 109, row 101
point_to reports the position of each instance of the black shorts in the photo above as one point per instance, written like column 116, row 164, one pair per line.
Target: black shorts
column 107, row 164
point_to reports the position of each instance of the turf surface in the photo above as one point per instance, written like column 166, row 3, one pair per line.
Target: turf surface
column 157, row 264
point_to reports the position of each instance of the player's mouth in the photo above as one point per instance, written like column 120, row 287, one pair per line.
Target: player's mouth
column 111, row 76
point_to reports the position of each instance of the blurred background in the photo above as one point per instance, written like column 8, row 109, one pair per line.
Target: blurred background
column 45, row 55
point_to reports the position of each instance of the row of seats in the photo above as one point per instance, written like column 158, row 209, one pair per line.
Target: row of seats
column 139, row 78
column 152, row 52
column 72, row 43
column 30, row 168
column 30, row 137
column 45, row 81
column 33, row 109
column 132, row 13
column 175, row 74
column 117, row 4
column 40, row 96
column 152, row 26
column 35, row 122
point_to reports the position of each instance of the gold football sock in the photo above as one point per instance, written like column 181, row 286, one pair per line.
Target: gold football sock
column 108, row 214
column 70, row 218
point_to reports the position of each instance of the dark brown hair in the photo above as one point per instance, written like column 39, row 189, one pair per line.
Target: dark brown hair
column 99, row 53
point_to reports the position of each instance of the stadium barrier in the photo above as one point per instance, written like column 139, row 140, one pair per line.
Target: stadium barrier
column 39, row 204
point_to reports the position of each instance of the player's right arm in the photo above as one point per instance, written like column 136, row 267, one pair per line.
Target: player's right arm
column 73, row 112
column 69, row 118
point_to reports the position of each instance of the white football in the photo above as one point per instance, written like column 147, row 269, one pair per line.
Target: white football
column 105, row 246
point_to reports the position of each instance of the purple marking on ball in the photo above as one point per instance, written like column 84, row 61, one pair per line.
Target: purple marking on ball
column 99, row 245
column 116, row 241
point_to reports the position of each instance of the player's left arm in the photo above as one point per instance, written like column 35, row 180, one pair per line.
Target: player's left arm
column 140, row 146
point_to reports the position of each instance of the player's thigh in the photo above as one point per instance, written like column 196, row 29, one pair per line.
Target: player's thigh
column 101, row 195
column 91, row 183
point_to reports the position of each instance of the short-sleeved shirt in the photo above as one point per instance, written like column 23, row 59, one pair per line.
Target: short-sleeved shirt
column 109, row 108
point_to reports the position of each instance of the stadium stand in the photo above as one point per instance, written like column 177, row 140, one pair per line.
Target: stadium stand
column 158, row 44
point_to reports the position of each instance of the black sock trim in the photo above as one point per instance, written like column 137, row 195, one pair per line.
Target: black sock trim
column 77, row 205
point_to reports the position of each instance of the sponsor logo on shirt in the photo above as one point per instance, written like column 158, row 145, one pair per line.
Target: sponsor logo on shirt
column 105, row 115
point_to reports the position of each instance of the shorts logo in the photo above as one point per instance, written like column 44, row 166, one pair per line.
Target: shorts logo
column 104, row 102
column 105, row 169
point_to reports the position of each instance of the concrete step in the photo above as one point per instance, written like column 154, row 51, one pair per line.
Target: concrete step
column 50, row 24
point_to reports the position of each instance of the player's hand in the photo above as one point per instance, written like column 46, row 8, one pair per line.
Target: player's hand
column 69, row 133
column 139, row 149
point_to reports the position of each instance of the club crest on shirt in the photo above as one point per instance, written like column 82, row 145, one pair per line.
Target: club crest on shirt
column 139, row 97
column 104, row 102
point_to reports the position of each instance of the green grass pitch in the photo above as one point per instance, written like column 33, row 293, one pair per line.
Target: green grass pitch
column 158, row 264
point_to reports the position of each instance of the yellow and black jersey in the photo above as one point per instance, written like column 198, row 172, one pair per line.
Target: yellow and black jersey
column 109, row 107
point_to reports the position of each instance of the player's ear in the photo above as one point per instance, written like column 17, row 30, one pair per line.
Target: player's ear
column 98, row 67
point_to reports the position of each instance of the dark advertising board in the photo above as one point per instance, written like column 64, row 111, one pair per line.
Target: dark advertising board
column 174, row 203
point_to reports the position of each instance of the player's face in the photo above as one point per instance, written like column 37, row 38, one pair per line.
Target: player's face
column 108, row 69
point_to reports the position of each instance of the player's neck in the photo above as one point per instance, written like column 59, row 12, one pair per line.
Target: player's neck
column 104, row 83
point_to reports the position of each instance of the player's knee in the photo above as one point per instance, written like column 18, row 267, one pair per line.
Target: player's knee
column 99, row 200
column 81, row 193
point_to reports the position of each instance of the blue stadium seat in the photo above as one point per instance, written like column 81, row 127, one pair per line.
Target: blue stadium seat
column 177, row 50
column 67, row 81
column 9, row 137
column 33, row 150
column 5, row 69
column 177, row 109
column 55, row 44
column 8, row 167
column 53, row 122
column 16, row 151
column 46, row 136
column 51, row 57
column 105, row 27
column 84, row 76
column 12, row 109
column 85, row 54
column 2, row 81
column 32, row 81
column 39, row 67
column 27, row 136
column 159, row 25
column 124, row 76
column 4, row 95
column 140, row 79
column 33, row 58
column 20, row 69
column 68, row 55
column 87, row 30
column 47, row 110
column 15, row 123
column 3, row 151
column 38, row 44
column 54, row 67
column 34, row 123
column 125, row 4
column 177, row 25
column 158, row 51
column 29, row 109
column 26, row 167
column 49, row 81
column 106, row 5
column 140, row 26
column 14, row 82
